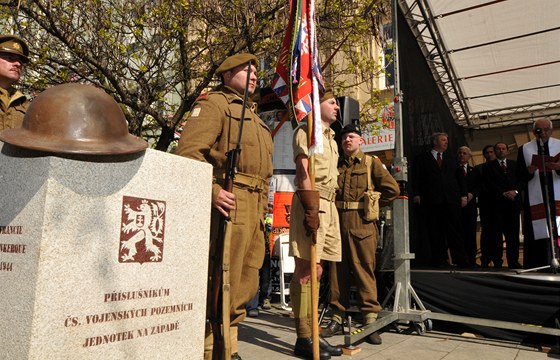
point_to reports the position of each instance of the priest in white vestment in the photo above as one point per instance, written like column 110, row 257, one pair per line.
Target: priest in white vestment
column 535, row 176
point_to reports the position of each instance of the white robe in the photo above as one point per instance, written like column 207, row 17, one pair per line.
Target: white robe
column 540, row 228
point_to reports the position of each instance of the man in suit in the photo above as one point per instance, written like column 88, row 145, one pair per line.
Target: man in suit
column 468, row 211
column 501, row 180
column 485, row 209
column 538, row 250
column 440, row 193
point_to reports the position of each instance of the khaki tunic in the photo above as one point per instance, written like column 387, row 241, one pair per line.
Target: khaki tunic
column 210, row 131
column 326, row 173
column 13, row 105
column 359, row 237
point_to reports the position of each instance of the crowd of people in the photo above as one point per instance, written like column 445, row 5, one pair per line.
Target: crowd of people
column 449, row 191
column 329, row 207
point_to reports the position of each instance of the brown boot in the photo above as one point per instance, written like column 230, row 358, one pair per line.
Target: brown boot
column 374, row 339
column 333, row 328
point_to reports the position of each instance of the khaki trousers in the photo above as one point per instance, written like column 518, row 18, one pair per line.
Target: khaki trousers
column 246, row 255
column 359, row 244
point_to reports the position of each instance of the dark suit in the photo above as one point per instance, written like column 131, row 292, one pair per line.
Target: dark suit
column 440, row 191
column 484, row 202
column 469, row 212
column 506, row 212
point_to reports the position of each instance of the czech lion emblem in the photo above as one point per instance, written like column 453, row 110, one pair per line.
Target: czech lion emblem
column 142, row 230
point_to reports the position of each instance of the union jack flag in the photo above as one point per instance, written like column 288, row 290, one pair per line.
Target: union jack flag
column 298, row 80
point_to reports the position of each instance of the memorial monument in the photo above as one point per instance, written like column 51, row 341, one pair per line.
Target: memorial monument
column 102, row 241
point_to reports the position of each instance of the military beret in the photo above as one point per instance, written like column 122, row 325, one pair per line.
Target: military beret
column 236, row 60
column 355, row 128
column 14, row 45
column 329, row 94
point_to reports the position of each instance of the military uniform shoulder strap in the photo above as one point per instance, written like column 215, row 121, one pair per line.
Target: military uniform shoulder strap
column 369, row 161
column 203, row 96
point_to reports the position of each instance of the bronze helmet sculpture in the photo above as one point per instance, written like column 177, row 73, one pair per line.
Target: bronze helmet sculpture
column 75, row 119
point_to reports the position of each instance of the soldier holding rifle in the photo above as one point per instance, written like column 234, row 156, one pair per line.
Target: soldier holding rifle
column 211, row 133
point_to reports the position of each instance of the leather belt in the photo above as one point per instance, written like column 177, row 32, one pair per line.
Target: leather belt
column 349, row 205
column 253, row 182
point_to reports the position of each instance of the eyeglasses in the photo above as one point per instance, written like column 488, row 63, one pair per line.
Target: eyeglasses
column 547, row 129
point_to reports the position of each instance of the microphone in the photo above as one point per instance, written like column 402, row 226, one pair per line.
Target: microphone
column 538, row 134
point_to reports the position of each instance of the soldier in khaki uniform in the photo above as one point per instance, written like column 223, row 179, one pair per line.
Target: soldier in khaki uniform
column 13, row 104
column 359, row 237
column 313, row 211
column 211, row 130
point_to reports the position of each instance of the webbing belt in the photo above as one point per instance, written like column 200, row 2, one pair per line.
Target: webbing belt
column 349, row 205
column 242, row 180
column 326, row 193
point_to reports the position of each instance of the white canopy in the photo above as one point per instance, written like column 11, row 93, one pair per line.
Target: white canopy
column 497, row 63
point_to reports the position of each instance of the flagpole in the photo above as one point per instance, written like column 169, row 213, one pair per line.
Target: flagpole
column 313, row 252
column 296, row 74
column 311, row 139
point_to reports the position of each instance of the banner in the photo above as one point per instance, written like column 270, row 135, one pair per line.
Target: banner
column 298, row 80
column 380, row 135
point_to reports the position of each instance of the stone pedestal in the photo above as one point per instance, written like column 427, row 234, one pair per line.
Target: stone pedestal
column 103, row 257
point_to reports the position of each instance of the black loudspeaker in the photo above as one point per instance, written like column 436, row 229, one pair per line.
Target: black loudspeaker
column 349, row 110
column 349, row 114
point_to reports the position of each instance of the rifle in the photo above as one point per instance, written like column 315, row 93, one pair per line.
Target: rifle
column 220, row 291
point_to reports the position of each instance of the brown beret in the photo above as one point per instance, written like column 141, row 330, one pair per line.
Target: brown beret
column 327, row 95
column 236, row 60
column 14, row 45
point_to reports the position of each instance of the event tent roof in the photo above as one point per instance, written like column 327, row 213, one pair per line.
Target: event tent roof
column 497, row 63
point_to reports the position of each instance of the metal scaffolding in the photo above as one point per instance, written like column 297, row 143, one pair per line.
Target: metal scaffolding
column 407, row 307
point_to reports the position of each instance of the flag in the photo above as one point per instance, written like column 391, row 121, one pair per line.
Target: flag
column 298, row 80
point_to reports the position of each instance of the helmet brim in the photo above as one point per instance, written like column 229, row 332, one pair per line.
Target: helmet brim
column 26, row 139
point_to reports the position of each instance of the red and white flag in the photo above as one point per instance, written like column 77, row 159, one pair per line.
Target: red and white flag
column 298, row 80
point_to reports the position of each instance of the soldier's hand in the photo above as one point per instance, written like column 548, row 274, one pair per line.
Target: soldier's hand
column 224, row 202
column 310, row 200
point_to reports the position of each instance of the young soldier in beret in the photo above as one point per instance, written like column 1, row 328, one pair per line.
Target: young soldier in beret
column 359, row 236
column 313, row 211
column 211, row 130
column 13, row 104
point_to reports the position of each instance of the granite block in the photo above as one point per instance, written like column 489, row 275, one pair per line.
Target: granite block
column 103, row 257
